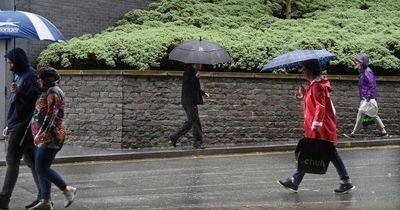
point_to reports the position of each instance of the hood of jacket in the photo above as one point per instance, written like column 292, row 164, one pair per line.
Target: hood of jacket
column 323, row 81
column 363, row 59
column 18, row 57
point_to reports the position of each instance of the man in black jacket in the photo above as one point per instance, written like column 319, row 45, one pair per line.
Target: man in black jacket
column 192, row 95
column 24, row 93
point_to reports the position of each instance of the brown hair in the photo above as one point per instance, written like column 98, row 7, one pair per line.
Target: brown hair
column 49, row 75
column 314, row 66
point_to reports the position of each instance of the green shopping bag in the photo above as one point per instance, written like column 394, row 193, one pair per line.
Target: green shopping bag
column 368, row 121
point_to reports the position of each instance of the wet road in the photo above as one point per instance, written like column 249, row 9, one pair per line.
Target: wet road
column 224, row 182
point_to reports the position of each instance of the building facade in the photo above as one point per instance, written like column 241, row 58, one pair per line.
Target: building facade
column 72, row 17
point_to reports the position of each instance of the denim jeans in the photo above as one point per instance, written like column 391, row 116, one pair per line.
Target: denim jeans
column 44, row 157
column 336, row 161
column 15, row 151
column 193, row 121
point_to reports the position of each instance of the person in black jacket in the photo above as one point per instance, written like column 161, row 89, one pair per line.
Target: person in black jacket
column 192, row 95
column 24, row 93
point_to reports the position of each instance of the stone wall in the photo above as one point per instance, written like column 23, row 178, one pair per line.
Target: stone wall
column 133, row 109
column 94, row 110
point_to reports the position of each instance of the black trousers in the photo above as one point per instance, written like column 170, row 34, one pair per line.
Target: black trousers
column 192, row 122
column 15, row 151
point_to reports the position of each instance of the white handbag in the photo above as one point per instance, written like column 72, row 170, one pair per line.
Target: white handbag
column 369, row 108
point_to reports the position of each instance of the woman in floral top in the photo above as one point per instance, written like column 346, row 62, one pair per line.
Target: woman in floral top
column 49, row 134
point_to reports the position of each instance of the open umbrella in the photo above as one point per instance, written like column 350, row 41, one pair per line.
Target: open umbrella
column 20, row 24
column 201, row 52
column 295, row 59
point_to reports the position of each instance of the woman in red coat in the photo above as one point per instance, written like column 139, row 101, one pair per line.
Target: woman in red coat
column 319, row 113
column 319, row 122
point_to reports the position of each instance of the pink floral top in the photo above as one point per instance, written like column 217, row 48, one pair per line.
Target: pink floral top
column 48, row 118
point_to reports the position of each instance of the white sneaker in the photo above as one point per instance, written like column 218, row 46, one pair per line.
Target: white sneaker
column 69, row 196
column 43, row 206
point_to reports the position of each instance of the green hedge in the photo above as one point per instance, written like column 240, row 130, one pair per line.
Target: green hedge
column 248, row 29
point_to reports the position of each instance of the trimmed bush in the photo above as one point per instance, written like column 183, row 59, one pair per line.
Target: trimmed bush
column 248, row 29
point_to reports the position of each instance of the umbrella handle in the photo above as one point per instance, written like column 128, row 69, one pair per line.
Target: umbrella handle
column 14, row 52
column 5, row 144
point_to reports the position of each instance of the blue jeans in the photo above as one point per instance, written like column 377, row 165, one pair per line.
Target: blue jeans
column 336, row 161
column 44, row 157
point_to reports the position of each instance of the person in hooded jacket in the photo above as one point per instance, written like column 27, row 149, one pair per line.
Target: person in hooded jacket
column 24, row 92
column 367, row 90
column 319, row 123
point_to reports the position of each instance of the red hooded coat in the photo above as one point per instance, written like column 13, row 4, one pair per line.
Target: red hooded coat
column 319, row 110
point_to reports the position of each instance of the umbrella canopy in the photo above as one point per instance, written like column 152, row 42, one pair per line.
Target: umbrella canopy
column 20, row 24
column 200, row 51
column 295, row 59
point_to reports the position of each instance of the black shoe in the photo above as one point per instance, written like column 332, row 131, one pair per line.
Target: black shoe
column 383, row 135
column 173, row 141
column 4, row 202
column 199, row 146
column 350, row 136
column 288, row 184
column 43, row 206
column 34, row 203
column 344, row 188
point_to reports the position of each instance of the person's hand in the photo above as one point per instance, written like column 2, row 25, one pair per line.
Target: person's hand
column 36, row 140
column 198, row 74
column 5, row 132
column 315, row 126
column 39, row 138
column 300, row 94
column 14, row 88
column 207, row 95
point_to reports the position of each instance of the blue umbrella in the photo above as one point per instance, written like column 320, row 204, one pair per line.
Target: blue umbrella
column 295, row 58
column 20, row 24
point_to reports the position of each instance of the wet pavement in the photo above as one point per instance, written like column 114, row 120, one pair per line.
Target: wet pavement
column 77, row 153
column 241, row 181
column 68, row 150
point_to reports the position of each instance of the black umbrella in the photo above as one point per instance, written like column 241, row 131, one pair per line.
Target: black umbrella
column 201, row 52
